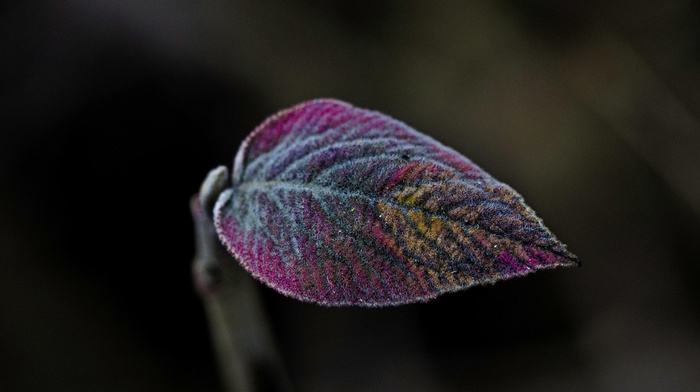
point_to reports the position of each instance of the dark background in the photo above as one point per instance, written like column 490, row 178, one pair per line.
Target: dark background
column 112, row 112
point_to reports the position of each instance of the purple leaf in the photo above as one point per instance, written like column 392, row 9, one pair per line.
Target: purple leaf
column 339, row 205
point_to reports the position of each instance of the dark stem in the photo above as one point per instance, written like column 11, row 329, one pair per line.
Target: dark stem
column 247, row 356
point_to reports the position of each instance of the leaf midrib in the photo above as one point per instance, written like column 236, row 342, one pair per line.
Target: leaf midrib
column 390, row 201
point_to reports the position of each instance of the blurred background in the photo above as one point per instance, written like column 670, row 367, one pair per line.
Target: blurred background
column 112, row 113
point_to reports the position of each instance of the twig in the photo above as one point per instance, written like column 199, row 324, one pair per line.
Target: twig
column 248, row 358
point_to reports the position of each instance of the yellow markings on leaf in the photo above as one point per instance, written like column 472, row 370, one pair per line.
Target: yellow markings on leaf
column 418, row 218
column 404, row 194
column 411, row 201
column 412, row 246
column 435, row 229
column 410, row 195
column 432, row 227
column 426, row 248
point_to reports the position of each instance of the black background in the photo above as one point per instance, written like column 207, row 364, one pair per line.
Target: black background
column 113, row 112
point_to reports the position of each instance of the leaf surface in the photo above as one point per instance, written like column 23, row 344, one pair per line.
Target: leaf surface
column 339, row 205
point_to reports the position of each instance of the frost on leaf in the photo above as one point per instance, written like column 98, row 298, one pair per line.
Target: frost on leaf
column 339, row 205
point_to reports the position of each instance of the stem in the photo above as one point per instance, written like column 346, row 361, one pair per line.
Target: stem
column 247, row 356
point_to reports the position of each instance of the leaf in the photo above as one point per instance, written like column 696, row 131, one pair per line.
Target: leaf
column 339, row 205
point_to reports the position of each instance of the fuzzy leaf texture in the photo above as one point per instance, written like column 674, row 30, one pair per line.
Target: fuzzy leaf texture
column 339, row 205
